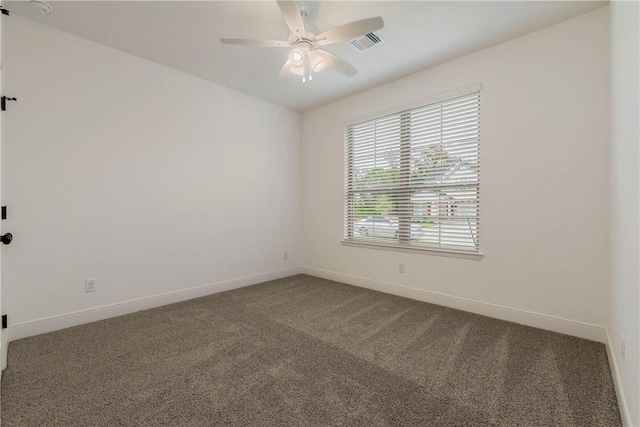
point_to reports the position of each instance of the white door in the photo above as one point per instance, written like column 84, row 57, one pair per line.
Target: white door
column 3, row 332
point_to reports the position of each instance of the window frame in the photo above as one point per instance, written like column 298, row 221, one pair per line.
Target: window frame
column 399, row 245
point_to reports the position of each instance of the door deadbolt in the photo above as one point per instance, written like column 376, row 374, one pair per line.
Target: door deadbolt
column 6, row 238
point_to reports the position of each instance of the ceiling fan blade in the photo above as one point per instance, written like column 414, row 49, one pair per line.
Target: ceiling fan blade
column 285, row 69
column 349, row 31
column 288, row 68
column 337, row 64
column 256, row 42
column 292, row 16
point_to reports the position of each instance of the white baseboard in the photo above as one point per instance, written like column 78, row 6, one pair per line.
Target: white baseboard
column 551, row 323
column 536, row 320
column 4, row 345
column 54, row 323
column 617, row 381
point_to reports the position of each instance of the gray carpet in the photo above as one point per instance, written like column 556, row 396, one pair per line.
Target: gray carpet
column 305, row 351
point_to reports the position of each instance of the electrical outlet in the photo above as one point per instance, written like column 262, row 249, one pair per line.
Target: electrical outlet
column 623, row 347
column 90, row 285
column 401, row 267
column 285, row 255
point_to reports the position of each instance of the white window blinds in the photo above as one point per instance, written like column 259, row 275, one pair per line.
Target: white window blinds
column 412, row 177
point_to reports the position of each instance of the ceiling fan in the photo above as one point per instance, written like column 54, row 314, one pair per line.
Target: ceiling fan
column 305, row 55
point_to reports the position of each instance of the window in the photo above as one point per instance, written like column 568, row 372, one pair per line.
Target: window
column 412, row 177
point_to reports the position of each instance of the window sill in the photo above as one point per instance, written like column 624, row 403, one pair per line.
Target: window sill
column 424, row 251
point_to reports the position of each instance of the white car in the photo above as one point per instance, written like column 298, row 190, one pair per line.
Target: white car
column 383, row 226
column 377, row 226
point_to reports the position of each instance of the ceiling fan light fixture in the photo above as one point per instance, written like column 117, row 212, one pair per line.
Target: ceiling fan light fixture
column 317, row 63
column 297, row 57
column 297, row 70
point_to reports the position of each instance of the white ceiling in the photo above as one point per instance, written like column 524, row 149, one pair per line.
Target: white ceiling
column 185, row 35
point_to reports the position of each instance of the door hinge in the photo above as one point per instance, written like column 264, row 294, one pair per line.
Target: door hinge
column 4, row 321
column 4, row 212
column 4, row 11
column 3, row 102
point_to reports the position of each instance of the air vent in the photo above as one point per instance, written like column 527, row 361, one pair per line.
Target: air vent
column 366, row 42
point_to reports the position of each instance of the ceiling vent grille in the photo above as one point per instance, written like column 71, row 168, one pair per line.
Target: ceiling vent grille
column 367, row 41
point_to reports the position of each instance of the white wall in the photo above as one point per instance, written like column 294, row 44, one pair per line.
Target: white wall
column 624, row 302
column 544, row 182
column 145, row 178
